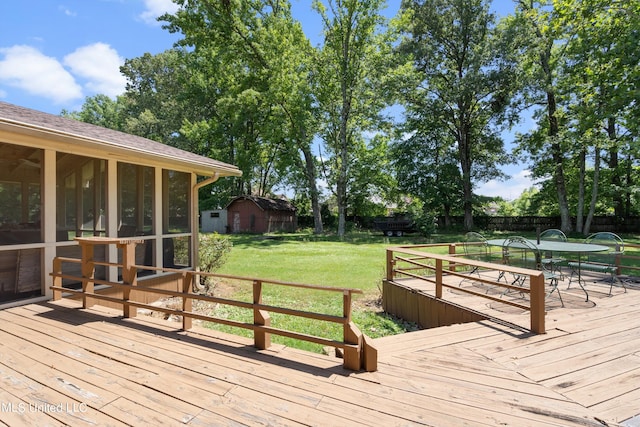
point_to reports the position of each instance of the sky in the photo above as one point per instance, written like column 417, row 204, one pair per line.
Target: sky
column 55, row 53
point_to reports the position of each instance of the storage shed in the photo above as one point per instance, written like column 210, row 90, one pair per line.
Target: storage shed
column 253, row 214
column 214, row 221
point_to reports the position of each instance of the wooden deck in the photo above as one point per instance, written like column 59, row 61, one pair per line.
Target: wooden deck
column 62, row 365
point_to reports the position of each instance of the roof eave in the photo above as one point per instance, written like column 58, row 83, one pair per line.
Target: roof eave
column 121, row 151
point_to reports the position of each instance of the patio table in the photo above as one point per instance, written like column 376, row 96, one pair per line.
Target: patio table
column 559, row 246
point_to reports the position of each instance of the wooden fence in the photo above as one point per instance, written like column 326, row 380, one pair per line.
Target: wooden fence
column 531, row 223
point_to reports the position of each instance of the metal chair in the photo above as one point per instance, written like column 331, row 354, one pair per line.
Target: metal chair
column 606, row 262
column 523, row 253
column 475, row 248
column 553, row 262
column 553, row 234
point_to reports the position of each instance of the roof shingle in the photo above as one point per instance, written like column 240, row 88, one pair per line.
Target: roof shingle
column 37, row 120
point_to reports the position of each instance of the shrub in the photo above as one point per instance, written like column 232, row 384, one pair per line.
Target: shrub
column 213, row 252
column 426, row 224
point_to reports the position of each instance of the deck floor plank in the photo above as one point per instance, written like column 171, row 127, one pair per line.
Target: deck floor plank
column 145, row 371
column 137, row 386
column 16, row 411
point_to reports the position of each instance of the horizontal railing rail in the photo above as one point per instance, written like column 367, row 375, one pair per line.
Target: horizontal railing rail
column 415, row 262
column 358, row 353
column 629, row 261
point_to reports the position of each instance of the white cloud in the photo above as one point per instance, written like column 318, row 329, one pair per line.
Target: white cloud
column 510, row 189
column 67, row 11
column 26, row 68
column 156, row 8
column 99, row 64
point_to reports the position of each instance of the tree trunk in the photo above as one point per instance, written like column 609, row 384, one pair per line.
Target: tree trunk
column 341, row 185
column 582, row 159
column 464, row 144
column 616, row 180
column 558, row 160
column 594, row 191
column 629, row 183
column 310, row 172
column 345, row 113
column 447, row 216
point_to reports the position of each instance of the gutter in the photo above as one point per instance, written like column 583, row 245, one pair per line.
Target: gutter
column 195, row 224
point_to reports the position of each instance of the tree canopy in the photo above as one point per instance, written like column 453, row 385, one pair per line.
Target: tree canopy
column 392, row 115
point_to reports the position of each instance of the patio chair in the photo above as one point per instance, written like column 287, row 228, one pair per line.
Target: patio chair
column 475, row 248
column 525, row 254
column 554, row 262
column 606, row 262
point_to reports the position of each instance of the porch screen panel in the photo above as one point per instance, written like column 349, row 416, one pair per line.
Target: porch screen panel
column 81, row 196
column 135, row 210
column 20, row 198
column 20, row 221
column 176, row 199
column 135, row 200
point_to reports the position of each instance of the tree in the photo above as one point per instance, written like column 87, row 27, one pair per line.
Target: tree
column 371, row 183
column 155, row 97
column 426, row 167
column 102, row 111
column 461, row 84
column 599, row 76
column 265, row 104
column 344, row 79
column 533, row 38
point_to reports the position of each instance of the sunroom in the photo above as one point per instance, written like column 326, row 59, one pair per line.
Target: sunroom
column 61, row 179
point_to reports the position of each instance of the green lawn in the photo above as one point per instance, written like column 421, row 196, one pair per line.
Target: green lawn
column 358, row 262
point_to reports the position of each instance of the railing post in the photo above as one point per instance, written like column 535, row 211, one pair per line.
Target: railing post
column 617, row 259
column 452, row 252
column 57, row 280
column 262, row 340
column 438, row 278
column 537, row 303
column 390, row 264
column 187, row 302
column 129, row 277
column 88, row 272
column 352, row 336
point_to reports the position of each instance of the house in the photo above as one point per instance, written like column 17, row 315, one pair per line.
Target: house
column 61, row 179
column 253, row 214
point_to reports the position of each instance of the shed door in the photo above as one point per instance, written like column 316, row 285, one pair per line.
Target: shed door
column 236, row 222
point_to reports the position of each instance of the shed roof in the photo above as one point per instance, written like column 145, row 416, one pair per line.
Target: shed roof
column 267, row 204
column 122, row 145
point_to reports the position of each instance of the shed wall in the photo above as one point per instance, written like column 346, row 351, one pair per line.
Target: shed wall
column 214, row 221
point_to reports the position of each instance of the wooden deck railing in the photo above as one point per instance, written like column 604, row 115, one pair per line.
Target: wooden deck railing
column 629, row 261
column 358, row 352
column 417, row 262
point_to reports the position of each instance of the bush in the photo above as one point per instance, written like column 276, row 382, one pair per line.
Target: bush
column 426, row 224
column 214, row 249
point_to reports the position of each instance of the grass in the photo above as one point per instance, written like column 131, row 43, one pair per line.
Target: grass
column 357, row 261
